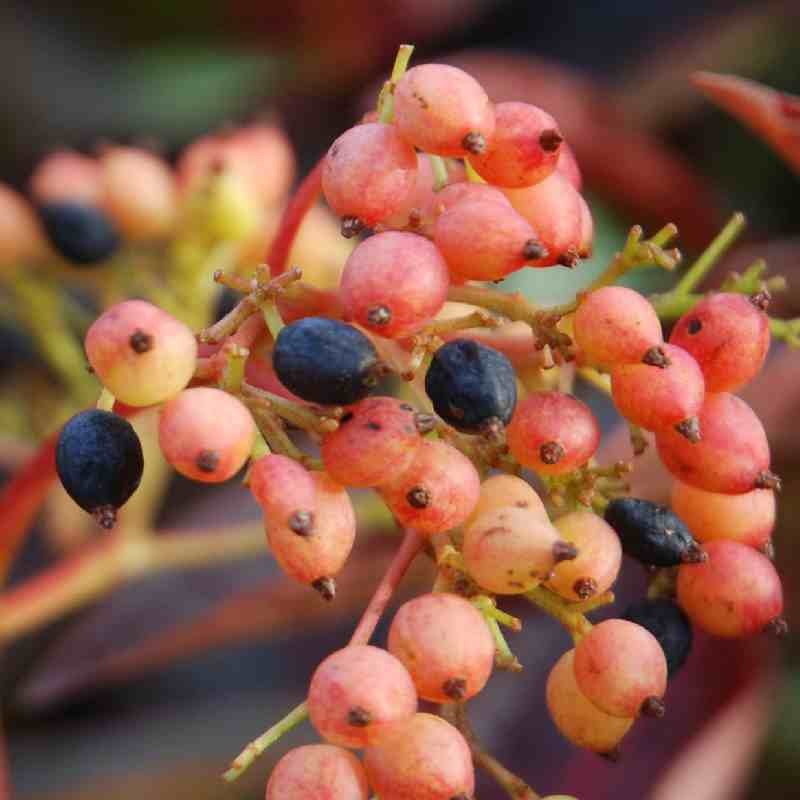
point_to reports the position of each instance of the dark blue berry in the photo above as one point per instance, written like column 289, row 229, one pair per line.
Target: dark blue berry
column 667, row 622
column 651, row 533
column 471, row 386
column 325, row 361
column 99, row 461
column 81, row 234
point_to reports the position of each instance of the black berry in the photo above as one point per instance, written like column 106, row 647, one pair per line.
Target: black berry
column 667, row 622
column 99, row 461
column 325, row 361
column 81, row 234
column 470, row 384
column 651, row 533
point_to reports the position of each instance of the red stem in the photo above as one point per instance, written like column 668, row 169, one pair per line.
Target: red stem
column 408, row 550
column 22, row 497
column 293, row 215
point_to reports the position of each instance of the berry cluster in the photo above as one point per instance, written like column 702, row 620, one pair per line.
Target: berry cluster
column 453, row 190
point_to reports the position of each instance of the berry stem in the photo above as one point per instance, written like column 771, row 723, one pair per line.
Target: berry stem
column 271, row 428
column 106, row 400
column 440, row 176
column 504, row 658
column 515, row 787
column 574, row 621
column 721, row 243
column 488, row 608
column 299, row 205
column 295, row 413
column 258, row 746
column 386, row 96
column 409, row 548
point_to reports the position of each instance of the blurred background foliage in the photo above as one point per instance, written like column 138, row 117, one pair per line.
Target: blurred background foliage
column 99, row 704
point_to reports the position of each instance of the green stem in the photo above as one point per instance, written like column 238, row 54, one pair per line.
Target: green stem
column 272, row 318
column 575, row 622
column 440, row 176
column 723, row 240
column 386, row 96
column 472, row 175
column 106, row 400
column 269, row 737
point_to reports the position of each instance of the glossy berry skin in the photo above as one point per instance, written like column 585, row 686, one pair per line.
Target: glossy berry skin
column 615, row 325
column 665, row 620
column 619, row 665
column 575, row 716
column 596, row 567
column 651, row 533
column 728, row 336
column 747, row 518
column 731, row 456
column 325, row 361
column 376, row 439
column 393, row 284
column 553, row 433
column 99, row 462
column 355, row 694
column 471, row 385
column 442, row 201
column 735, row 593
column 524, row 149
column 422, row 758
column 442, row 110
column 82, row 235
column 206, row 434
column 140, row 353
column 318, row 772
column 369, row 173
column 436, row 492
column 656, row 397
column 445, row 644
column 568, row 166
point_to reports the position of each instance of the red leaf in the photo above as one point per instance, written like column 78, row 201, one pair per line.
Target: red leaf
column 774, row 115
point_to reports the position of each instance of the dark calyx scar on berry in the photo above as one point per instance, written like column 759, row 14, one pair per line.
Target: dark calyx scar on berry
column 99, row 461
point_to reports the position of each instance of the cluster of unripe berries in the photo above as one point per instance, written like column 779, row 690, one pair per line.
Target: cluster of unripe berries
column 83, row 209
column 405, row 179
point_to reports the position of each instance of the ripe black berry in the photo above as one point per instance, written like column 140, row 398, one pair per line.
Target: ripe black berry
column 99, row 461
column 81, row 234
column 325, row 361
column 667, row 622
column 651, row 533
column 471, row 384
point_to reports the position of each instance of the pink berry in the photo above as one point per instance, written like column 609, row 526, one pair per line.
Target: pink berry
column 445, row 645
column 736, row 592
column 22, row 239
column 421, row 758
column 196, row 444
column 393, row 284
column 318, row 772
column 615, row 325
column 442, row 110
column 140, row 353
column 67, row 176
column 553, row 433
column 729, row 337
column 357, row 692
column 373, row 433
column 369, row 174
column 525, row 147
